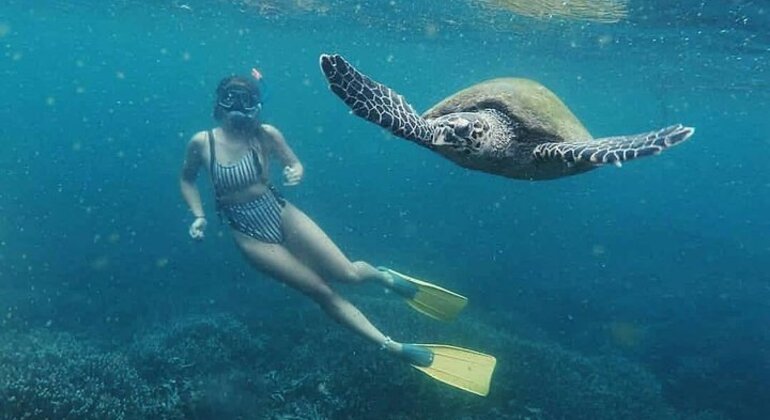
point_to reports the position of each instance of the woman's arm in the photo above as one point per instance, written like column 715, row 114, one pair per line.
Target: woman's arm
column 190, row 168
column 293, row 170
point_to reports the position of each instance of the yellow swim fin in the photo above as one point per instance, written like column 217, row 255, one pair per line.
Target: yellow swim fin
column 433, row 301
column 462, row 368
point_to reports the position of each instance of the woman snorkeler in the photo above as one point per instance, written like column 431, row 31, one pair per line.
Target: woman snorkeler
column 281, row 241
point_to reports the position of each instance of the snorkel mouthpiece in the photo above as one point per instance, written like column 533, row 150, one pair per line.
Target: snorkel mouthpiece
column 241, row 120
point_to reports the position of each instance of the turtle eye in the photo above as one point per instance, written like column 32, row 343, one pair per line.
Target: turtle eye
column 462, row 128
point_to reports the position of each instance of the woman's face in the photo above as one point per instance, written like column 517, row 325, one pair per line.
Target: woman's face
column 240, row 107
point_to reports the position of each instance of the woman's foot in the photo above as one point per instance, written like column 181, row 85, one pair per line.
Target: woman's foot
column 392, row 346
column 430, row 299
column 414, row 354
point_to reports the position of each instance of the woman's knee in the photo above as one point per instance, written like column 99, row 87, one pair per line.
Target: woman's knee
column 351, row 274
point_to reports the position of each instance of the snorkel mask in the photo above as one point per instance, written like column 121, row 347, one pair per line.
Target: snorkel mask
column 238, row 102
column 240, row 99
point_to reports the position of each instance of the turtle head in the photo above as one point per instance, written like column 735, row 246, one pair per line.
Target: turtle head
column 460, row 131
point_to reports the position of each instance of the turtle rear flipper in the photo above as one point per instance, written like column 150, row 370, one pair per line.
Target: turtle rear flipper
column 374, row 101
column 615, row 150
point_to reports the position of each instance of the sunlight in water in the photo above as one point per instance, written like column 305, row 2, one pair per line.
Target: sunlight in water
column 605, row 11
column 276, row 7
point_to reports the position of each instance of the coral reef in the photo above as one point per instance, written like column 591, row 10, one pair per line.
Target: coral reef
column 55, row 376
column 299, row 366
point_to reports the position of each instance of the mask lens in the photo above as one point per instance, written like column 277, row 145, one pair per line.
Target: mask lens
column 238, row 99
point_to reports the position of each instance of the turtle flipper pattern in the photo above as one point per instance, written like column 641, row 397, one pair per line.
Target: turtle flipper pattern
column 613, row 150
column 374, row 101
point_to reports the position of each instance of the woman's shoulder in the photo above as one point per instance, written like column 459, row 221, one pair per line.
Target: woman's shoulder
column 271, row 133
column 269, row 130
column 201, row 137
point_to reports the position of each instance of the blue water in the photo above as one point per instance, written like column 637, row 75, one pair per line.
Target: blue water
column 639, row 292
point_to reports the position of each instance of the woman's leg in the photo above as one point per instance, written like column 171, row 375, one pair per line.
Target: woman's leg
column 276, row 261
column 309, row 243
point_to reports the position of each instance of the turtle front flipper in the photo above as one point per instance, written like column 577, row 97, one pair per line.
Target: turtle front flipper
column 374, row 101
column 614, row 150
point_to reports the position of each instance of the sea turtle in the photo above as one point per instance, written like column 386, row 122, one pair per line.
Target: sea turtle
column 511, row 127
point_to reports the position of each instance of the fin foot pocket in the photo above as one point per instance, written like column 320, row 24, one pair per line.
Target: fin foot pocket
column 427, row 298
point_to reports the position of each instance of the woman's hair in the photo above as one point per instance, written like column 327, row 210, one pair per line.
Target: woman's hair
column 247, row 83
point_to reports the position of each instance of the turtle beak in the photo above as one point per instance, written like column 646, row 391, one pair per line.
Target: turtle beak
column 441, row 135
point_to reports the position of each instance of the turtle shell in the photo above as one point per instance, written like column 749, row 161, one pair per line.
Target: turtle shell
column 540, row 115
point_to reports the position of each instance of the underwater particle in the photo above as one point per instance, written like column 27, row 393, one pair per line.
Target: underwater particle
column 4, row 29
column 80, row 63
column 113, row 238
column 50, row 101
column 48, row 323
column 598, row 250
column 77, row 146
column 100, row 263
column 604, row 40
column 625, row 334
column 80, row 90
column 16, row 56
column 186, row 56
column 120, row 75
column 431, row 30
column 161, row 262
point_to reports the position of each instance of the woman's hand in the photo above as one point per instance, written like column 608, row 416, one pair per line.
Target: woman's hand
column 292, row 175
column 197, row 227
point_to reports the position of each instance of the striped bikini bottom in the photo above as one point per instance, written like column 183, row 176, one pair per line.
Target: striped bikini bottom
column 259, row 218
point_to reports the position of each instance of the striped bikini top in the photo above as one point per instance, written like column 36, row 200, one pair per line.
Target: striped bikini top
column 229, row 178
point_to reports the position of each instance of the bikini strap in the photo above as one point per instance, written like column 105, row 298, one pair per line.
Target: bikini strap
column 212, row 163
column 212, row 153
